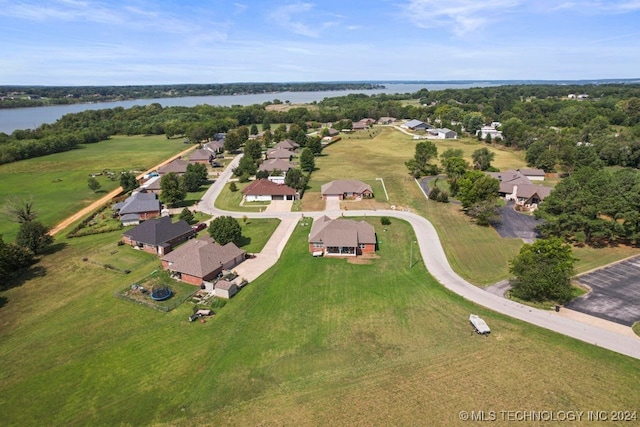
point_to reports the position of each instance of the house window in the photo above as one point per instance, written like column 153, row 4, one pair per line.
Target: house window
column 318, row 246
column 362, row 245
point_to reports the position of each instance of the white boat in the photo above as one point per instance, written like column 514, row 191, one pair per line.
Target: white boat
column 479, row 324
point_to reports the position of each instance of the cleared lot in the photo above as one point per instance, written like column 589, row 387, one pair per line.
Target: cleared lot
column 615, row 293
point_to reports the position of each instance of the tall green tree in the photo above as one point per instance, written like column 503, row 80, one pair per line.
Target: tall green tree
column 93, row 184
column 128, row 181
column 173, row 189
column 421, row 164
column 195, row 175
column 186, row 215
column 232, row 142
column 296, row 179
column 482, row 158
column 307, row 160
column 34, row 236
column 19, row 210
column 13, row 260
column 225, row 229
column 543, row 271
column 253, row 149
column 475, row 186
column 246, row 166
column 314, row 144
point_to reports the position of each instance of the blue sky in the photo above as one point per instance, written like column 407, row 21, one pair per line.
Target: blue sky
column 87, row 42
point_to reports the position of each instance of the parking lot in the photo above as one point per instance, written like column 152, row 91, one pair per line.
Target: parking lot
column 615, row 293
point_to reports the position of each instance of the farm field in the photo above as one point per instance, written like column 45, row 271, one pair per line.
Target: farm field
column 58, row 183
column 311, row 342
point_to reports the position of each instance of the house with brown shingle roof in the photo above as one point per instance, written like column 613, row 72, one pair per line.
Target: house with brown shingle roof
column 271, row 165
column 346, row 189
column 178, row 166
column 514, row 185
column 201, row 260
column 279, row 153
column 202, row 155
column 265, row 190
column 287, row 144
column 158, row 235
column 341, row 237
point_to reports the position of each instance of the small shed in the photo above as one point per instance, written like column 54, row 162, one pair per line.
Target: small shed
column 225, row 289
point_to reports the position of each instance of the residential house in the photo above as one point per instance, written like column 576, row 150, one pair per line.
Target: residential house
column 202, row 155
column 138, row 207
column 367, row 121
column 517, row 187
column 201, row 260
column 225, row 289
column 158, row 235
column 359, row 126
column 265, row 190
column 215, row 147
column 178, row 166
column 533, row 174
column 279, row 153
column 346, row 189
column 287, row 144
column 341, row 237
column 485, row 131
column 271, row 165
column 387, row 120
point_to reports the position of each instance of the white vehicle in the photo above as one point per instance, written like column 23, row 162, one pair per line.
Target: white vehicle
column 480, row 325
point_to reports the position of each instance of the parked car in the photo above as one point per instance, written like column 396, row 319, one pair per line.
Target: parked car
column 199, row 226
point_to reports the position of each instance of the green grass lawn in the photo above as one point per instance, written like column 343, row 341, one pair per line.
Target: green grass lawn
column 230, row 200
column 313, row 341
column 256, row 232
column 58, row 183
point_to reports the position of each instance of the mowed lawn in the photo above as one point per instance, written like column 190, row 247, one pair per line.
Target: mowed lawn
column 57, row 183
column 312, row 342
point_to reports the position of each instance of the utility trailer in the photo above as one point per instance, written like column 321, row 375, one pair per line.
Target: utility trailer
column 480, row 325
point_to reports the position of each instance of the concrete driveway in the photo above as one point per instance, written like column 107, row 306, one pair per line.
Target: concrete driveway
column 332, row 204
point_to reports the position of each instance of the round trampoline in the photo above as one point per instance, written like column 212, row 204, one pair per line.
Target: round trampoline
column 160, row 293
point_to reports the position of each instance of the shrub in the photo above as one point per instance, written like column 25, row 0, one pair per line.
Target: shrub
column 434, row 193
column 233, row 187
column 385, row 220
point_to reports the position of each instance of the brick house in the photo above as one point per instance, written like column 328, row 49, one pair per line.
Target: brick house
column 158, row 236
column 341, row 237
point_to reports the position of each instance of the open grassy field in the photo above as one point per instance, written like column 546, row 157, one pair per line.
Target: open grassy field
column 476, row 253
column 58, row 182
column 311, row 342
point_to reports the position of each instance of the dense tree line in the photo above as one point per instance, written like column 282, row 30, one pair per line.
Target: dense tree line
column 540, row 119
column 37, row 96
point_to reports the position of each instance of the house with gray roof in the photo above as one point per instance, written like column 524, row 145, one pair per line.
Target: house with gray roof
column 225, row 289
column 178, row 166
column 287, row 144
column 443, row 133
column 201, row 260
column 158, row 235
column 341, row 237
column 216, row 146
column 140, row 205
column 346, row 189
column 514, row 185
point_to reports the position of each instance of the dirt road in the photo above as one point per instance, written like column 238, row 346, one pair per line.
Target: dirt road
column 108, row 197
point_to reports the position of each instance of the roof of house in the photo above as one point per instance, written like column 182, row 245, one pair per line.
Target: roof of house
column 287, row 144
column 359, row 126
column 341, row 232
column 414, row 123
column 225, row 285
column 275, row 164
column 532, row 172
column 138, row 203
column 215, row 146
column 279, row 153
column 527, row 191
column 200, row 257
column 264, row 187
column 201, row 154
column 157, row 231
column 177, row 166
column 386, row 119
column 341, row 186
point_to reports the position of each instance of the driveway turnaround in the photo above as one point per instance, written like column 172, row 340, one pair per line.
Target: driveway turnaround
column 517, row 225
column 438, row 265
column 615, row 293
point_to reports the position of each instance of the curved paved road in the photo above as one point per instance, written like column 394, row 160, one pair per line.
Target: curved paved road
column 438, row 265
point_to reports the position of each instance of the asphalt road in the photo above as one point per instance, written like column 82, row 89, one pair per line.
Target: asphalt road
column 438, row 265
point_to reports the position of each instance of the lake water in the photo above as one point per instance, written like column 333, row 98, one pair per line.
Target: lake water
column 30, row 118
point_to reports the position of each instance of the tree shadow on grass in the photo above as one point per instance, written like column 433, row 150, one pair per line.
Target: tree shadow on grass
column 243, row 241
column 56, row 247
column 23, row 277
column 3, row 301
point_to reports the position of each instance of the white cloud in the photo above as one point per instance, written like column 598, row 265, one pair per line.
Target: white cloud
column 284, row 17
column 461, row 16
